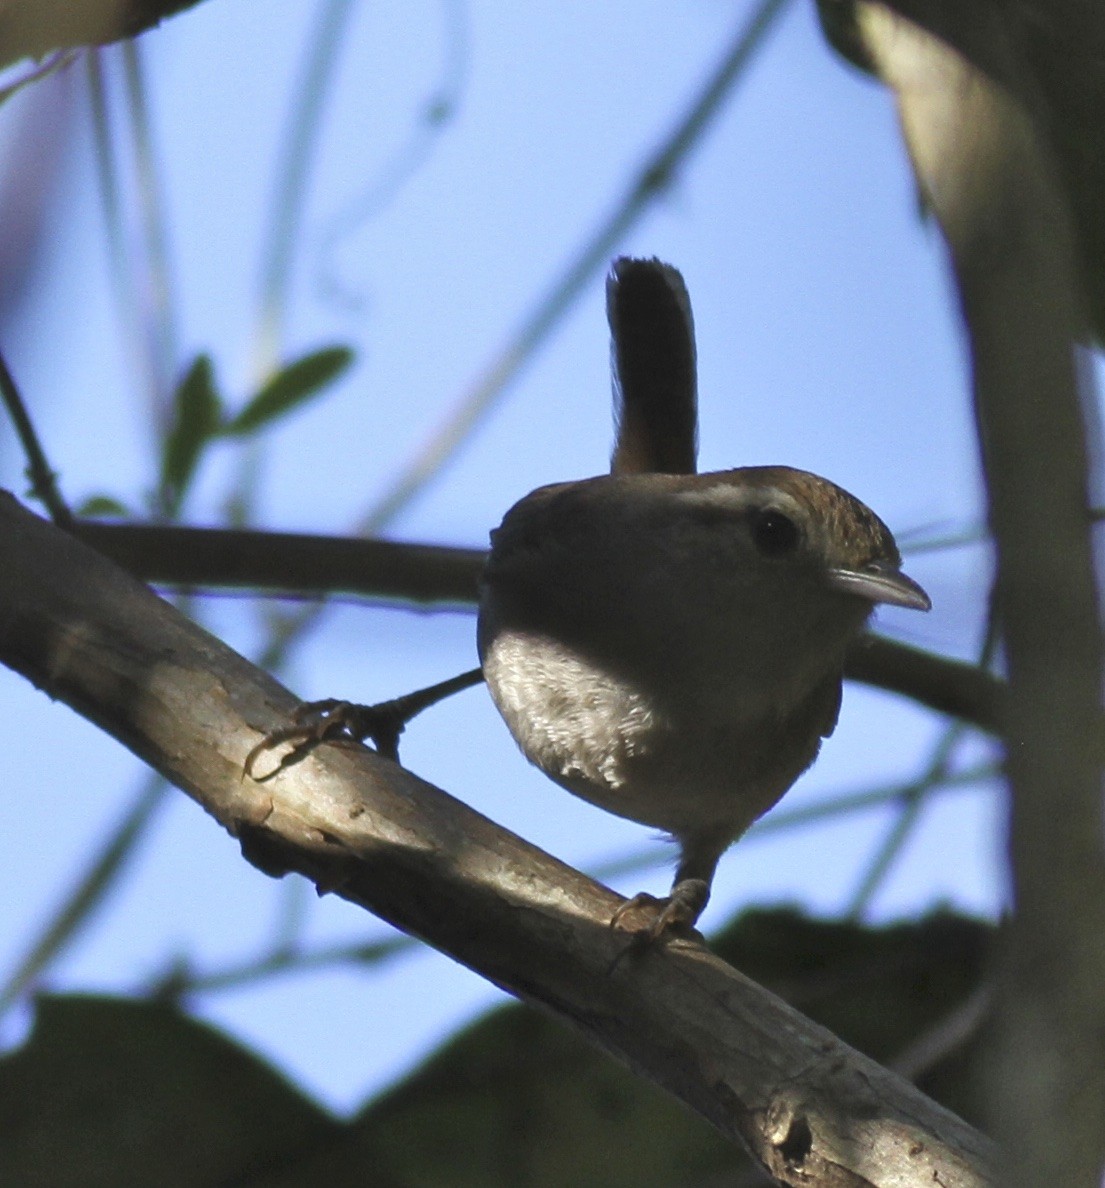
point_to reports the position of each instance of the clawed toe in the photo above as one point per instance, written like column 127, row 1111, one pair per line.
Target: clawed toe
column 344, row 723
column 331, row 721
column 642, row 899
column 676, row 913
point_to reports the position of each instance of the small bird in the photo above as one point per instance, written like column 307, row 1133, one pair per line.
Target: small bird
column 670, row 647
column 665, row 644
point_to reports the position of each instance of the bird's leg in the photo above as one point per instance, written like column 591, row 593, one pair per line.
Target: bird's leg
column 690, row 889
column 347, row 723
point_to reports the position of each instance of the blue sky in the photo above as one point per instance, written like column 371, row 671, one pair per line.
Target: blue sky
column 826, row 340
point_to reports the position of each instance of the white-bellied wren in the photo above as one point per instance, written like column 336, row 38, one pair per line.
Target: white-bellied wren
column 670, row 646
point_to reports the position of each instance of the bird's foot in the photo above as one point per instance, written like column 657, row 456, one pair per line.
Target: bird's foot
column 332, row 721
column 347, row 724
column 675, row 913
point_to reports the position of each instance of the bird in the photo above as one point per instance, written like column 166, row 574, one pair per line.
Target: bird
column 670, row 645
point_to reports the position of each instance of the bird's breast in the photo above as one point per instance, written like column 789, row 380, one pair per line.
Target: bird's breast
column 598, row 734
column 571, row 718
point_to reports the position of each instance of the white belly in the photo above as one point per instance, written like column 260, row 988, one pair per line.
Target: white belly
column 598, row 736
column 551, row 701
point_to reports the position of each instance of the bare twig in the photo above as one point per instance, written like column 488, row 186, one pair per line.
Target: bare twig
column 181, row 981
column 434, row 116
column 109, row 182
column 154, row 277
column 87, row 893
column 908, row 813
column 830, row 808
column 54, row 62
column 946, row 1035
column 915, row 796
column 293, row 563
column 297, row 145
column 43, row 477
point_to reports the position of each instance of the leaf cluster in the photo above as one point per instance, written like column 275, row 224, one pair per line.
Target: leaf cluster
column 201, row 417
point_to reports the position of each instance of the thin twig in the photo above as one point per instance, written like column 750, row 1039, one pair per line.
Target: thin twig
column 292, row 909
column 157, row 303
column 910, row 805
column 88, row 893
column 181, row 981
column 948, row 1034
column 53, row 63
column 110, row 187
column 43, row 477
column 434, row 117
column 915, row 795
column 828, row 808
column 298, row 144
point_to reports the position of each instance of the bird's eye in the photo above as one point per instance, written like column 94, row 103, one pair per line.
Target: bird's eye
column 774, row 533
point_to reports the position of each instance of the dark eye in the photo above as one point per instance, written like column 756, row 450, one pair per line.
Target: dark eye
column 774, row 533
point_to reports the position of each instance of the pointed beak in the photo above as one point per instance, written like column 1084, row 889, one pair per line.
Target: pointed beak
column 881, row 582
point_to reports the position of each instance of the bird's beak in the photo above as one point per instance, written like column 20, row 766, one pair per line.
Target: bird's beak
column 881, row 582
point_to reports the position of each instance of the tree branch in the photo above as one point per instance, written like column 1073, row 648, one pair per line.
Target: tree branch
column 434, row 575
column 811, row 1110
column 299, row 564
column 953, row 687
column 976, row 131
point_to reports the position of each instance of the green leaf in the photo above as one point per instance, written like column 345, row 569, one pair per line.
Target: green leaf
column 197, row 411
column 102, row 506
column 297, row 383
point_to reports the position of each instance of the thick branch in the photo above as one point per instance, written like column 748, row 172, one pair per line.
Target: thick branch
column 975, row 134
column 812, row 1111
